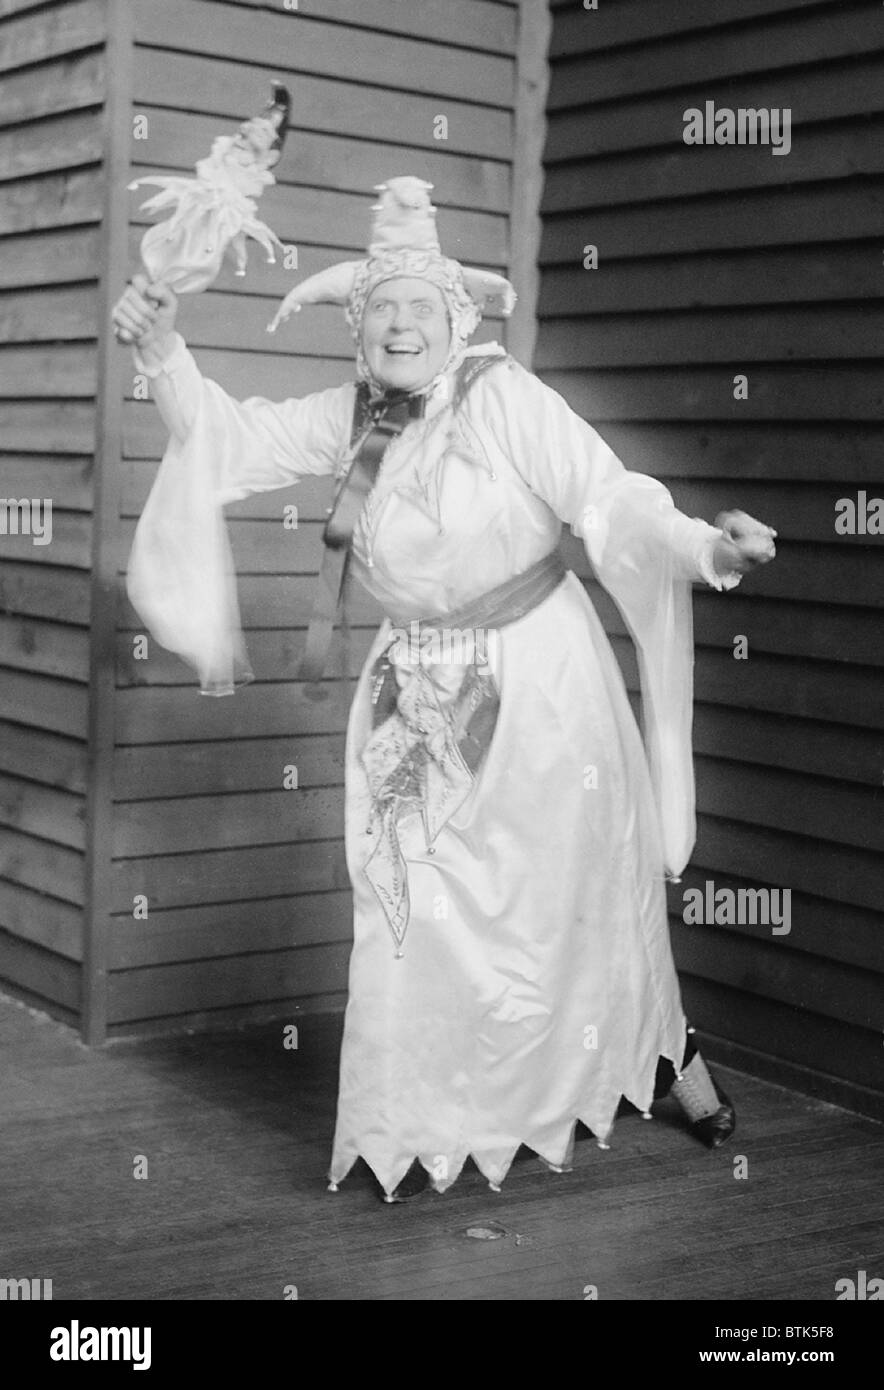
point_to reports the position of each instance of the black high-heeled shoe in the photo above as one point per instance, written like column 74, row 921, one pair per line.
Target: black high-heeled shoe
column 415, row 1182
column 712, row 1130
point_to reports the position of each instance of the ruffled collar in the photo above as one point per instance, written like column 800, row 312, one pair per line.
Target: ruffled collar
column 420, row 484
column 439, row 390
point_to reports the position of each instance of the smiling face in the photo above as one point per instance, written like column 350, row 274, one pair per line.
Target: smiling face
column 406, row 334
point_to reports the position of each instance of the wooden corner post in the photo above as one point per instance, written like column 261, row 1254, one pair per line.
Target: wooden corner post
column 112, row 366
column 529, row 137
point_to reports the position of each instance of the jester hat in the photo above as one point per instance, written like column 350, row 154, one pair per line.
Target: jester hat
column 404, row 242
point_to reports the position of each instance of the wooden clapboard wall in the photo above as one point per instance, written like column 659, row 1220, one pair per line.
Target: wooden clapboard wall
column 715, row 261
column 247, row 895
column 52, row 91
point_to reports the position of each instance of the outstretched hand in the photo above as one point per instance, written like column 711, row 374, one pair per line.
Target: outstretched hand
column 145, row 313
column 745, row 544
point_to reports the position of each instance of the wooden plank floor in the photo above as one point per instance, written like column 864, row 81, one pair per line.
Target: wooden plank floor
column 237, row 1133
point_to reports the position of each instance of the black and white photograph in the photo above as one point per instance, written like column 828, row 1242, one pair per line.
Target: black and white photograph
column 441, row 644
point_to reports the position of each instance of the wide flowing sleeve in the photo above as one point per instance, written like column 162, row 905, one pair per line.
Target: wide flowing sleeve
column 181, row 578
column 644, row 552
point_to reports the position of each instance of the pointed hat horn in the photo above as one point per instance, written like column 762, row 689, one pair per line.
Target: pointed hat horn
column 331, row 286
column 404, row 241
column 484, row 285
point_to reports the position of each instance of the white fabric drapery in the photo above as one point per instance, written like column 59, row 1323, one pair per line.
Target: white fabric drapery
column 539, row 922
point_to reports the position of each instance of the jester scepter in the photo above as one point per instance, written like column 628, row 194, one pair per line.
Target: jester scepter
column 214, row 212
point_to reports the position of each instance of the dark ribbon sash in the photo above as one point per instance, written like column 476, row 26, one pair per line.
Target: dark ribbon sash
column 388, row 415
column 383, row 418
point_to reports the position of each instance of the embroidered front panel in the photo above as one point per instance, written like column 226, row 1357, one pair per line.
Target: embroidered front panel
column 421, row 758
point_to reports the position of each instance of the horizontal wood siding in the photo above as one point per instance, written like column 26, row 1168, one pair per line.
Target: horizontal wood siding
column 715, row 261
column 52, row 73
column 249, row 906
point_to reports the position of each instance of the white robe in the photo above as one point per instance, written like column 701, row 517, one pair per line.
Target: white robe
column 536, row 984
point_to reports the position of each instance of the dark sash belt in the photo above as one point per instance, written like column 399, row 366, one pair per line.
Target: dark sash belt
column 506, row 603
column 496, row 608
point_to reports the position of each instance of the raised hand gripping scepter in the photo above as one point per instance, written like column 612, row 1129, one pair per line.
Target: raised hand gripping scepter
column 180, row 577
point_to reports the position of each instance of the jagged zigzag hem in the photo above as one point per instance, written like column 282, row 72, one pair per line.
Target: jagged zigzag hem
column 557, row 1156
